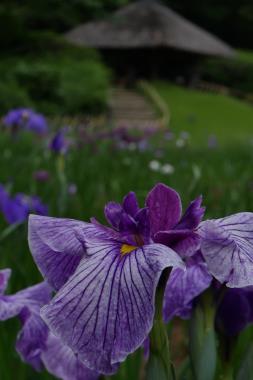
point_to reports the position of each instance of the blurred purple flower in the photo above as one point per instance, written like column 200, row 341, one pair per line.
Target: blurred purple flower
column 212, row 142
column 72, row 189
column 168, row 135
column 59, row 144
column 35, row 344
column 26, row 119
column 17, row 209
column 41, row 175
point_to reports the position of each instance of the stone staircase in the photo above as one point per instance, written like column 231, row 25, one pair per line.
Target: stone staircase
column 132, row 110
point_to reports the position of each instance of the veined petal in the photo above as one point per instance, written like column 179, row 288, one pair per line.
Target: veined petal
column 33, row 297
column 105, row 310
column 61, row 362
column 55, row 247
column 164, row 208
column 183, row 286
column 4, row 278
column 227, row 246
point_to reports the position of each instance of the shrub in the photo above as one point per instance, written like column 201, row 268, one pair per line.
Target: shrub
column 83, row 86
column 13, row 96
column 235, row 73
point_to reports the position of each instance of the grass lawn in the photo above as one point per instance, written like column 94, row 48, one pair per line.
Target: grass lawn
column 204, row 114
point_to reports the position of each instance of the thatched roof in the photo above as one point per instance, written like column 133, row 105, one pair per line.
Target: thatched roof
column 148, row 24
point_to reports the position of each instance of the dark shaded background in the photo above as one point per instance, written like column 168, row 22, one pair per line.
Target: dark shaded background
column 22, row 21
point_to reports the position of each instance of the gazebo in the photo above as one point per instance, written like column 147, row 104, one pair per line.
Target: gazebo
column 147, row 38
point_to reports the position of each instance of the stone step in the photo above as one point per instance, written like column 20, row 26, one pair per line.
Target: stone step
column 132, row 109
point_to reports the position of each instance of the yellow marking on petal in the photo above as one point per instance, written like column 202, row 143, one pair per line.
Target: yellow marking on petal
column 126, row 248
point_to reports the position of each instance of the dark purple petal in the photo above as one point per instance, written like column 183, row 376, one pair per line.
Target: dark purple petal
column 130, row 204
column 32, row 338
column 143, row 224
column 127, row 223
column 61, row 362
column 164, row 208
column 185, row 242
column 192, row 216
column 234, row 312
column 183, row 286
column 56, row 247
column 227, row 246
column 113, row 213
column 4, row 279
column 105, row 310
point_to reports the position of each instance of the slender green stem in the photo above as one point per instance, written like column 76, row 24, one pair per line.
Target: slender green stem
column 9, row 230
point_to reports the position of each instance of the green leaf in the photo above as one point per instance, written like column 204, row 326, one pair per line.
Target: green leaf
column 159, row 365
column 246, row 369
column 202, row 342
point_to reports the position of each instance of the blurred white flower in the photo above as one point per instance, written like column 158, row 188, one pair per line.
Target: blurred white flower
column 184, row 135
column 180, row 143
column 132, row 147
column 196, row 171
column 154, row 165
column 167, row 169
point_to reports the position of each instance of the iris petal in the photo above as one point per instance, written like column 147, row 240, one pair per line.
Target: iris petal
column 60, row 361
column 105, row 310
column 164, row 208
column 55, row 247
column 227, row 246
column 183, row 286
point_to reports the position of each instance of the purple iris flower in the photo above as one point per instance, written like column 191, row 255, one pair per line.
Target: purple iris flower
column 59, row 144
column 106, row 280
column 235, row 311
column 17, row 209
column 227, row 247
column 35, row 344
column 27, row 119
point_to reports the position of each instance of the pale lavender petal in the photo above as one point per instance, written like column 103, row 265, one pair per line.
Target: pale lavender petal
column 164, row 208
column 130, row 204
column 55, row 247
column 31, row 341
column 183, row 286
column 105, row 310
column 60, row 361
column 192, row 216
column 4, row 278
column 227, row 246
column 33, row 297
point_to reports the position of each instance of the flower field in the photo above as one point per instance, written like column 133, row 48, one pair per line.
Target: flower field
column 72, row 171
